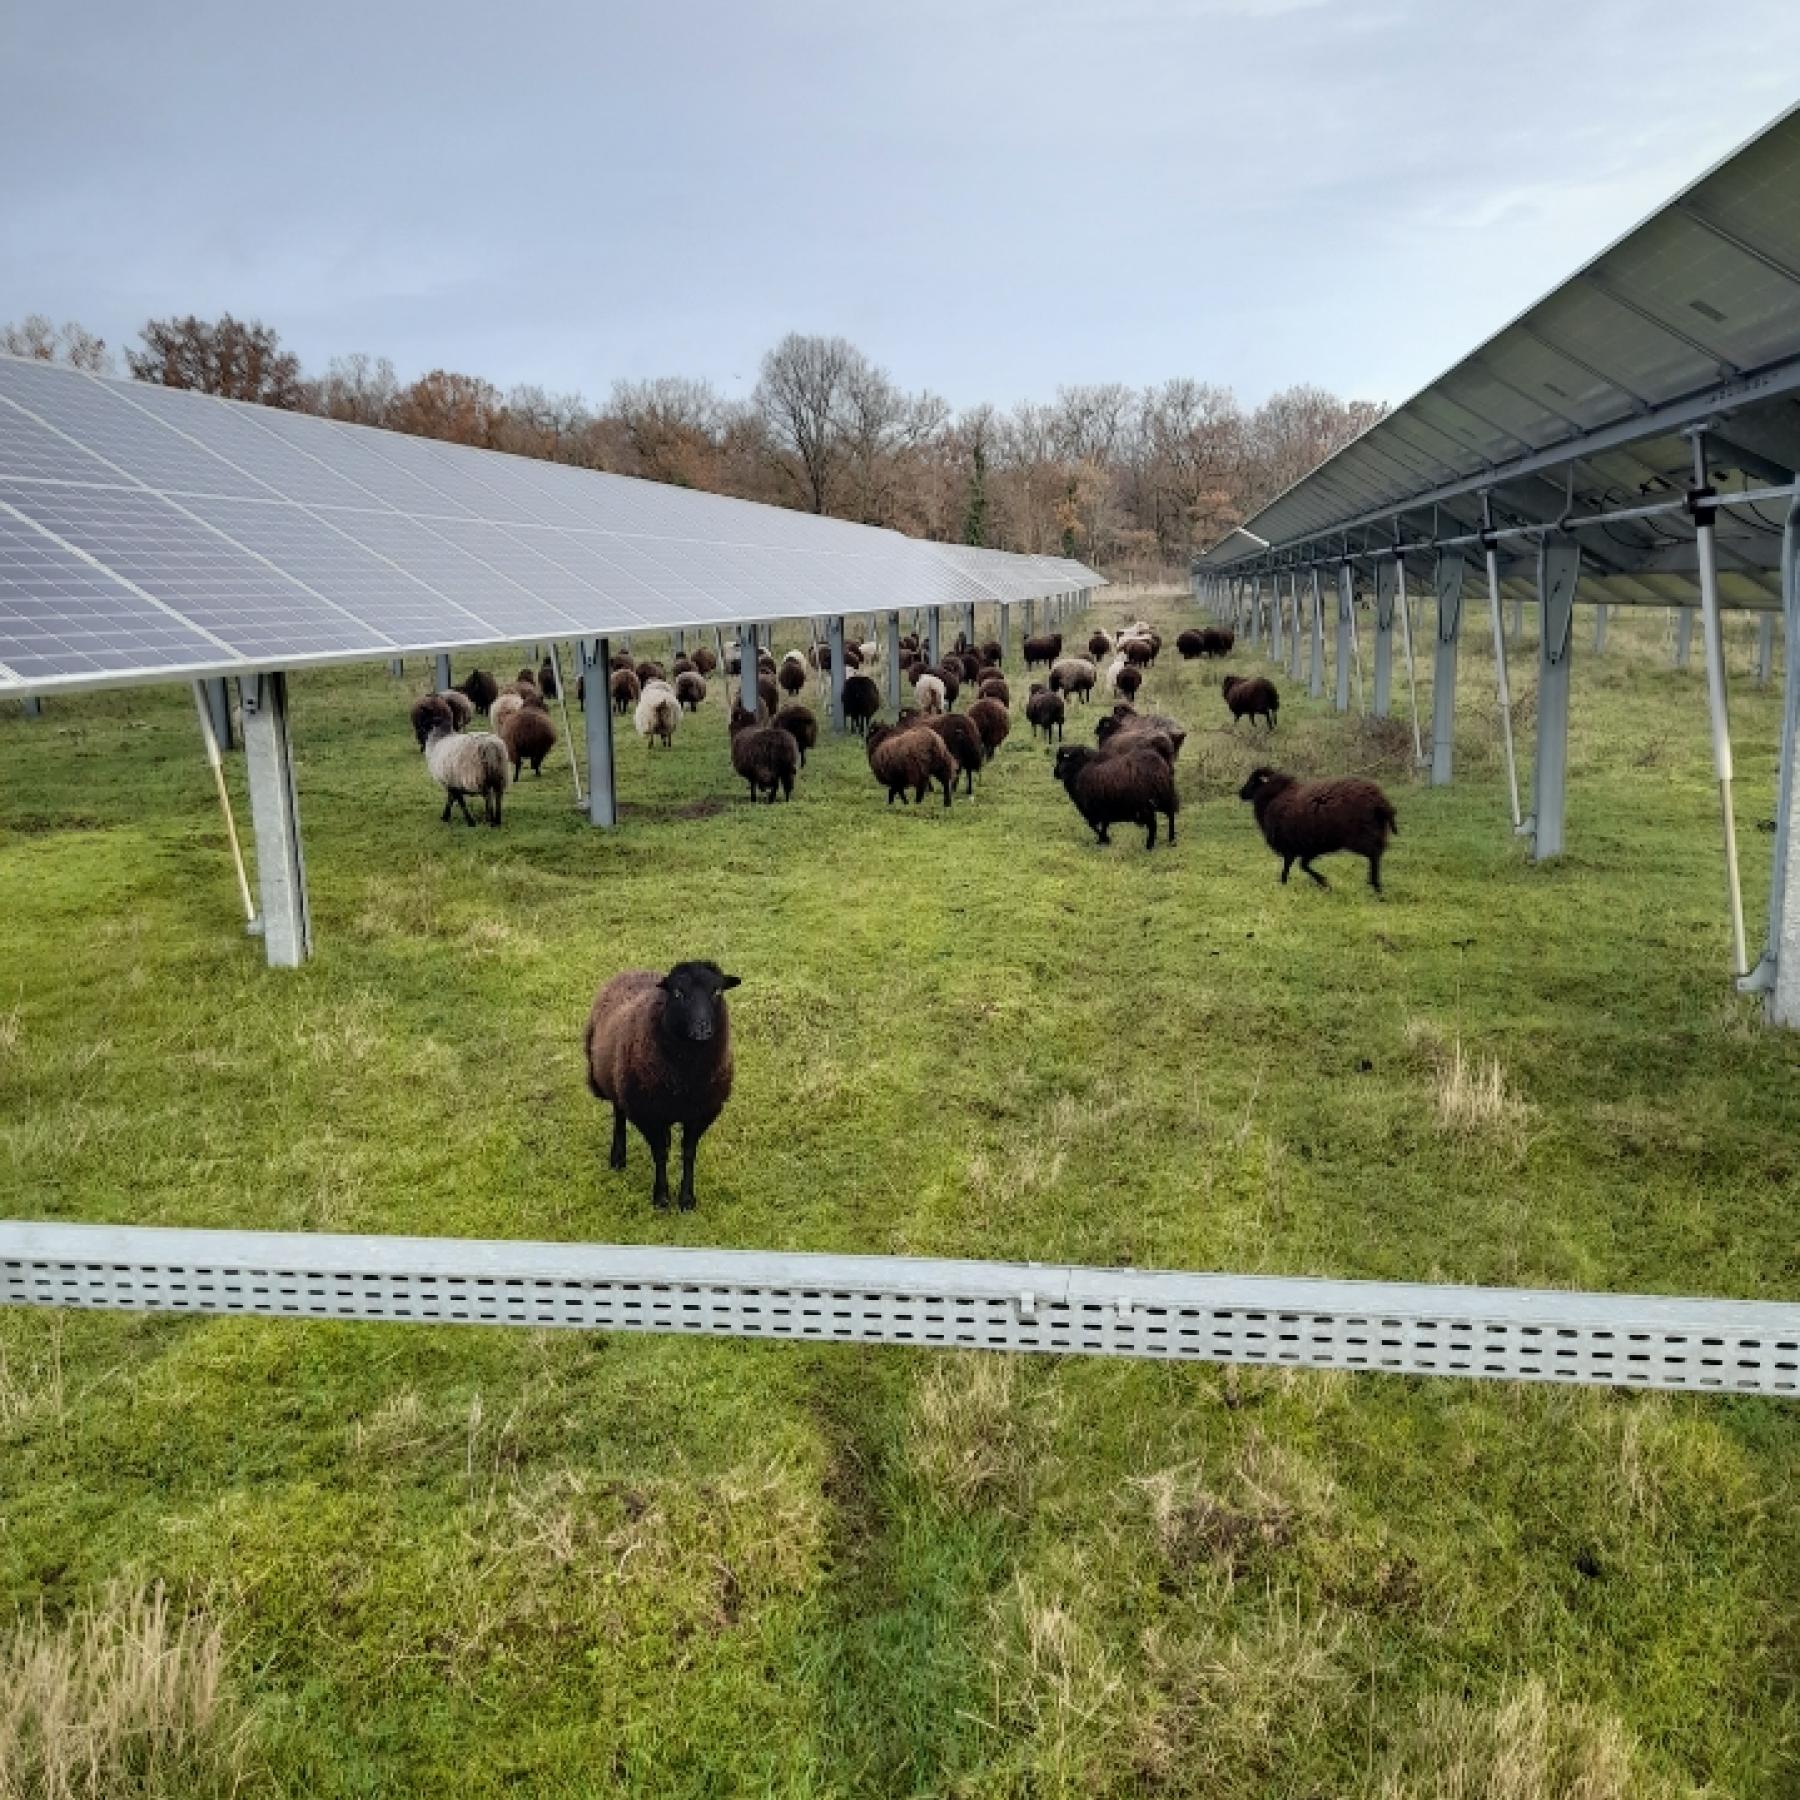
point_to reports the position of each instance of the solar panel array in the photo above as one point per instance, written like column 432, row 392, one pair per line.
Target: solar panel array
column 1693, row 314
column 148, row 533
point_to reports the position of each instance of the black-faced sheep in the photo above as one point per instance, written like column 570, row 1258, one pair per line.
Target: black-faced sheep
column 1140, row 652
column 480, row 689
column 994, row 687
column 658, row 1048
column 1191, row 643
column 1073, row 675
column 914, row 758
column 862, row 701
column 768, row 695
column 658, row 713
column 624, row 686
column 1304, row 819
column 465, row 763
column 622, row 659
column 991, row 718
column 959, row 734
column 1045, row 711
column 1045, row 647
column 1251, row 697
column 765, row 756
column 690, row 689
column 1217, row 640
column 801, row 723
column 529, row 736
column 1129, row 788
column 992, row 654
column 791, row 676
column 431, row 712
column 683, row 665
column 1123, row 720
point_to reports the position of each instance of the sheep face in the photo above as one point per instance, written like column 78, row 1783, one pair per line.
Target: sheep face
column 1258, row 780
column 693, row 1003
column 1070, row 761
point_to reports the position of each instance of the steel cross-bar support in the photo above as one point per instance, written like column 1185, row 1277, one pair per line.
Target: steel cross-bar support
column 1502, row 687
column 1509, row 1334
column 1718, row 711
column 597, row 717
column 834, row 648
column 1779, row 970
column 1448, row 578
column 1315, row 684
column 1559, row 572
column 892, row 653
column 275, row 821
column 1386, row 573
column 1346, row 628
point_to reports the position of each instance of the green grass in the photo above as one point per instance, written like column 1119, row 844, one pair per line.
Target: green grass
column 443, row 1561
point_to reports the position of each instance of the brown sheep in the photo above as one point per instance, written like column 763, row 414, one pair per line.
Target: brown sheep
column 658, row 1048
column 993, row 687
column 1304, row 819
column 1217, row 640
column 1122, row 719
column 791, row 676
column 1251, row 696
column 1140, row 652
column 914, row 758
column 992, row 719
column 546, row 679
column 1046, row 711
column 705, row 660
column 1191, row 643
column 431, row 712
column 529, row 736
column 1073, row 675
column 968, row 665
column 801, row 724
column 1044, row 647
column 690, row 689
column 1128, row 681
column 1129, row 788
column 1121, row 743
column 462, row 708
column 1098, row 645
column 647, row 671
column 862, row 701
column 992, row 654
column 682, row 665
column 768, row 696
column 962, row 737
column 625, row 688
column 951, row 675
column 764, row 755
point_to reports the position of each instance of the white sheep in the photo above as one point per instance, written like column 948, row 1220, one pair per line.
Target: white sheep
column 465, row 763
column 928, row 695
column 658, row 713
column 1109, row 682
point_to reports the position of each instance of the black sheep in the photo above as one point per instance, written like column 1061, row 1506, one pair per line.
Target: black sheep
column 1128, row 680
column 1045, row 711
column 1217, row 640
column 991, row 718
column 764, row 755
column 705, row 660
column 1191, row 643
column 992, row 654
column 623, row 685
column 1045, row 648
column 658, row 1048
column 546, row 679
column 690, row 689
column 529, row 736
column 1128, row 788
column 791, row 676
column 993, row 687
column 481, row 688
column 1251, row 697
column 862, row 701
column 431, row 712
column 1304, row 819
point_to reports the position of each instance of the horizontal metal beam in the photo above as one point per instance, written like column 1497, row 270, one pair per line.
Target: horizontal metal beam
column 1615, row 1340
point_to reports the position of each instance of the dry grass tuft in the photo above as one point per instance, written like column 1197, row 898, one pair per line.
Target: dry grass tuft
column 975, row 1436
column 1057, row 1688
column 1377, row 747
column 1529, row 1747
column 124, row 1697
column 1471, row 1097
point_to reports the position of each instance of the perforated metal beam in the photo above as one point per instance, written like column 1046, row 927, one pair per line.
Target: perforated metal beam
column 1614, row 1340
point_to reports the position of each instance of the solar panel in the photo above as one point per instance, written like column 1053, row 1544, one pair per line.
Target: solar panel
column 150, row 529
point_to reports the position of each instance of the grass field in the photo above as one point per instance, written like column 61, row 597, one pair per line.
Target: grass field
column 270, row 1558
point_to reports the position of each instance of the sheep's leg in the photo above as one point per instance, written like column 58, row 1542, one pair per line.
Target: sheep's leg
column 690, row 1143
column 462, row 800
column 1375, row 871
column 657, row 1137
column 1306, row 868
column 949, row 789
column 449, row 802
column 1149, row 823
column 616, row 1159
column 1171, row 825
column 1287, row 862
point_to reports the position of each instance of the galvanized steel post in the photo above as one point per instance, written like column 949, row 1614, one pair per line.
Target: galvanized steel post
column 893, row 660
column 1502, row 688
column 1600, row 629
column 1559, row 571
column 1381, row 701
column 834, row 648
column 1448, row 580
column 1316, row 675
column 1783, row 951
column 218, row 709
column 1765, row 648
column 275, row 821
column 1345, row 626
column 442, row 678
column 1684, row 635
column 933, row 637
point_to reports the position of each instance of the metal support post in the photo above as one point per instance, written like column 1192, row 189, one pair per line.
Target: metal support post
column 1315, row 683
column 442, row 679
column 893, row 660
column 1296, row 636
column 1684, row 635
column 1559, row 571
column 747, row 695
column 1600, row 612
column 275, row 821
column 1381, row 701
column 1502, row 688
column 1700, row 505
column 1780, row 968
column 218, row 708
column 1403, row 601
column 33, row 706
column 834, row 648
column 1448, row 580
column 933, row 633
column 1275, row 621
column 1765, row 648
column 1346, row 626
column 397, row 667
column 602, row 795
column 1005, row 633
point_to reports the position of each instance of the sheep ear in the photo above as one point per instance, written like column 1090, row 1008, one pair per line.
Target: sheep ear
column 730, row 981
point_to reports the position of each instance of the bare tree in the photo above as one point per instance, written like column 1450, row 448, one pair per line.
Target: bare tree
column 460, row 409
column 672, row 426
column 801, row 396
column 358, row 388
column 36, row 337
column 242, row 361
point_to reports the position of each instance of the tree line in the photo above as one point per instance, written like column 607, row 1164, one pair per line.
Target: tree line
column 1132, row 480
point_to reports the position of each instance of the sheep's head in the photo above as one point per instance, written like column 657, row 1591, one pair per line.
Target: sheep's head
column 1071, row 759
column 694, row 1001
column 1261, row 781
column 1227, row 685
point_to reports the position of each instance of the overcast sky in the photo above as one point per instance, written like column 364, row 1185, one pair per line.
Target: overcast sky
column 989, row 199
